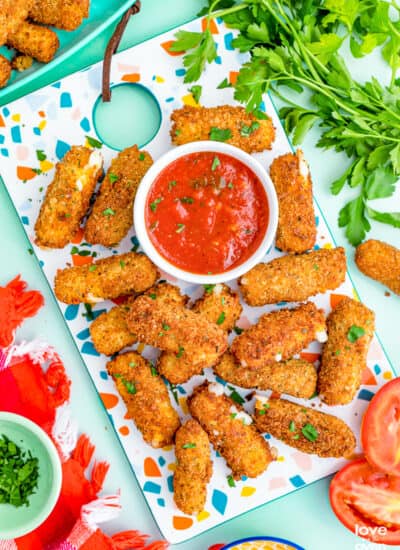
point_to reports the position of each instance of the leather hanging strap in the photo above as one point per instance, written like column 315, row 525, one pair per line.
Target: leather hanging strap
column 112, row 47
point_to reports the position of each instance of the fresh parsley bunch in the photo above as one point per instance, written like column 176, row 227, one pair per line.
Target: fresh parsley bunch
column 295, row 43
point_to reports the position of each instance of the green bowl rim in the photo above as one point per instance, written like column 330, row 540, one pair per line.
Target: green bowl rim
column 55, row 461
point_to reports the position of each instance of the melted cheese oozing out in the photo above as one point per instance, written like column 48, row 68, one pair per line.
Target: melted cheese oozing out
column 217, row 389
column 278, row 357
column 303, row 166
column 95, row 160
column 321, row 336
column 218, row 288
column 94, row 299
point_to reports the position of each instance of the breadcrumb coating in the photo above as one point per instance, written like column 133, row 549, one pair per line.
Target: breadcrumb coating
column 36, row 41
column 294, row 278
column 67, row 197
column 112, row 214
column 380, row 261
column 194, row 467
column 63, row 14
column 109, row 330
column 146, row 397
column 117, row 275
column 279, row 335
column 295, row 377
column 246, row 132
column 22, row 62
column 297, row 230
column 350, row 331
column 5, row 71
column 304, row 428
column 230, row 431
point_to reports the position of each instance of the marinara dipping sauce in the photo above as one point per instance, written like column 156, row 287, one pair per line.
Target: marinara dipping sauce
column 206, row 213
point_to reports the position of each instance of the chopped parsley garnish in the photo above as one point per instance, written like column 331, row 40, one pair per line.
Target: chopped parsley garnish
column 142, row 156
column 230, row 185
column 215, row 163
column 93, row 268
column 337, row 352
column 165, row 326
column 181, row 227
column 189, row 446
column 171, row 184
column 309, row 432
column 238, row 330
column 220, row 134
column 108, row 212
column 122, row 264
column 355, row 333
column 264, row 409
column 94, row 142
column 196, row 92
column 132, row 364
column 224, row 84
column 113, row 178
column 231, row 481
column 154, row 204
column 187, row 200
column 152, row 295
column 130, row 386
column 19, row 474
column 208, row 289
column 153, row 371
column 180, row 352
column 178, row 132
column 292, row 426
column 246, row 131
column 221, row 318
column 233, row 415
column 316, row 267
column 296, row 436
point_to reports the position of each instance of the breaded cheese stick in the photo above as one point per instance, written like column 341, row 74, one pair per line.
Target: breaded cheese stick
column 230, row 430
column 297, row 230
column 67, row 197
column 109, row 278
column 146, row 397
column 219, row 305
column 294, row 278
column 109, row 330
column 295, row 377
column 279, row 335
column 112, row 213
column 63, row 14
column 173, row 328
column 350, row 331
column 194, row 467
column 39, row 42
column 380, row 261
column 12, row 14
column 5, row 71
column 243, row 129
column 304, row 428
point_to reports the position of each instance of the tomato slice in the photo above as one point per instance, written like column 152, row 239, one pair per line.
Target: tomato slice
column 380, row 431
column 367, row 502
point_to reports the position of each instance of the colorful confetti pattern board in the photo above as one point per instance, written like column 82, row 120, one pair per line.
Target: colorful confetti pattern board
column 35, row 133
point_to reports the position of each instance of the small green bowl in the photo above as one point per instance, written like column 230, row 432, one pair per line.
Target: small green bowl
column 16, row 522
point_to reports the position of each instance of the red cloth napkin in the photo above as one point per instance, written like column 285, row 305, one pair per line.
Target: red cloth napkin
column 34, row 383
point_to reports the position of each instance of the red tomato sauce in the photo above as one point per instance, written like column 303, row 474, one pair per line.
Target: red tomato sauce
column 206, row 213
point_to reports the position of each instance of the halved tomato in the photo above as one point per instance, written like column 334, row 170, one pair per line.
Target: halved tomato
column 367, row 502
column 380, row 430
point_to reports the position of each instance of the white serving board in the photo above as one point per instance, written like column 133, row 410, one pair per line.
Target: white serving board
column 60, row 115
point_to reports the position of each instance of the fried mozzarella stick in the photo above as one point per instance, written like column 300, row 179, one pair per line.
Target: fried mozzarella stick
column 109, row 330
column 381, row 262
column 279, row 335
column 63, row 14
column 174, row 328
column 242, row 129
column 12, row 14
column 230, row 430
column 106, row 279
column 219, row 305
column 67, row 197
column 112, row 214
column 5, row 71
column 297, row 230
column 295, row 377
column 146, row 397
column 194, row 467
column 306, row 429
column 34, row 40
column 350, row 331
column 294, row 278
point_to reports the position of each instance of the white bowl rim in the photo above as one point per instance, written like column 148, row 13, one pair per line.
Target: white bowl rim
column 55, row 460
column 196, row 147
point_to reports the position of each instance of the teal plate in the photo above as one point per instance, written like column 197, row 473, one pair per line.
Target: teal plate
column 102, row 14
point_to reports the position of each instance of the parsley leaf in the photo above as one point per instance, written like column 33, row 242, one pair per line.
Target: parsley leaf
column 201, row 48
column 355, row 333
column 309, row 432
column 220, row 134
column 196, row 92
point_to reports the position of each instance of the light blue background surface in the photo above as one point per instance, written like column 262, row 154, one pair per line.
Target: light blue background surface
column 304, row 516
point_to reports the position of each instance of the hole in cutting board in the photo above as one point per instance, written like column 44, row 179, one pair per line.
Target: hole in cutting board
column 133, row 116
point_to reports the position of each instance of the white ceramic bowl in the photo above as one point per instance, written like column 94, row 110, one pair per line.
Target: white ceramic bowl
column 147, row 182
